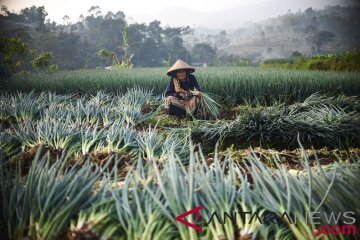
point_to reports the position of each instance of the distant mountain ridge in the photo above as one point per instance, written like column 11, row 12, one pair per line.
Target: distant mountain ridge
column 233, row 18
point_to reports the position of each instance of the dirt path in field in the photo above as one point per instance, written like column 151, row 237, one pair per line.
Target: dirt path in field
column 291, row 159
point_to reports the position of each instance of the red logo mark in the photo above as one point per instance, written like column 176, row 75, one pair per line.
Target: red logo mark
column 196, row 210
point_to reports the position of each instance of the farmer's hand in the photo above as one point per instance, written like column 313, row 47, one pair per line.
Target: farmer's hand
column 183, row 95
column 188, row 94
column 199, row 94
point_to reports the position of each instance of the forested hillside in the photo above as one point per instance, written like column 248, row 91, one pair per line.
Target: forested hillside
column 76, row 44
column 333, row 29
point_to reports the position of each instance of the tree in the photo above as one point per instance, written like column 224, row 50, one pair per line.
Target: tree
column 126, row 63
column 53, row 68
column 120, row 15
column 177, row 49
column 154, row 29
column 136, row 37
column 321, row 38
column 296, row 54
column 94, row 9
column 81, row 18
column 173, row 44
column 221, row 40
column 66, row 20
column 149, row 54
column 109, row 15
column 126, row 60
column 35, row 15
column 42, row 61
column 104, row 53
column 203, row 52
column 12, row 51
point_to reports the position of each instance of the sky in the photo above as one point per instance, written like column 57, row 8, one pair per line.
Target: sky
column 57, row 9
column 205, row 13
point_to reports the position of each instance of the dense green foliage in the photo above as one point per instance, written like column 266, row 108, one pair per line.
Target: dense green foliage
column 75, row 46
column 15, row 56
column 43, row 62
column 12, row 51
column 349, row 61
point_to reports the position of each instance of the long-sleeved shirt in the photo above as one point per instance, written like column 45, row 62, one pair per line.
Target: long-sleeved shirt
column 188, row 84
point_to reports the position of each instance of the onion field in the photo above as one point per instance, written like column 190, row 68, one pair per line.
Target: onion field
column 92, row 154
column 232, row 84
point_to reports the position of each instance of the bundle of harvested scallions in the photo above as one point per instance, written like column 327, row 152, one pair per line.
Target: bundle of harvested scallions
column 208, row 107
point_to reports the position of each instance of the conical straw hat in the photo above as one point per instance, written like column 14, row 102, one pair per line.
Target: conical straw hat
column 180, row 64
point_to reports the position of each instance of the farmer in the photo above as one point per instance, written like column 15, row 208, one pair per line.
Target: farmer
column 178, row 97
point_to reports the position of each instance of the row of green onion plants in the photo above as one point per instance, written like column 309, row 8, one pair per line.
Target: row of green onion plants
column 117, row 123
column 232, row 84
column 320, row 120
column 59, row 201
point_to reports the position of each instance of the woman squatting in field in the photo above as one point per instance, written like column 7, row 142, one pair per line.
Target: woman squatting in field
column 179, row 99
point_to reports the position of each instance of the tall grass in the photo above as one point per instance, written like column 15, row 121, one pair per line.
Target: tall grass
column 233, row 84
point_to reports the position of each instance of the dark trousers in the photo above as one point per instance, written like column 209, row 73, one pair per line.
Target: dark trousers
column 175, row 111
